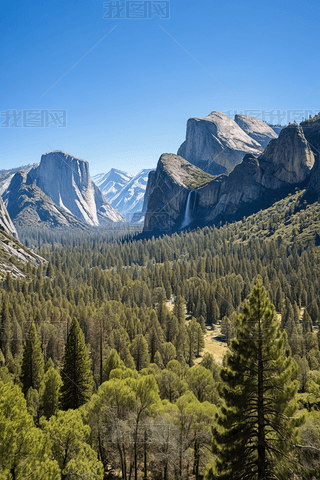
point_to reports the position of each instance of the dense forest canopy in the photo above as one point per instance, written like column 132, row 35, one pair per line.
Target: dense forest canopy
column 102, row 346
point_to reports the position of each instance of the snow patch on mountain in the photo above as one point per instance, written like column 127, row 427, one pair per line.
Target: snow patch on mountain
column 130, row 198
column 112, row 182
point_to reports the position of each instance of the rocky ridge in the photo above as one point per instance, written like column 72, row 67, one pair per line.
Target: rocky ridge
column 13, row 255
column 29, row 206
column 256, row 129
column 7, row 175
column 6, row 224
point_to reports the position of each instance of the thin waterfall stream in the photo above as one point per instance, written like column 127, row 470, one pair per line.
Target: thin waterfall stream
column 187, row 214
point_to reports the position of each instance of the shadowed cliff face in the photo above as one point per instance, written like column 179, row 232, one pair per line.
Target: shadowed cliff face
column 29, row 206
column 150, row 185
column 6, row 223
column 311, row 130
column 168, row 189
column 216, row 144
column 66, row 180
column 287, row 160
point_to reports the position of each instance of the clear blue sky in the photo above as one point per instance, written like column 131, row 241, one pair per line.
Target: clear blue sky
column 128, row 99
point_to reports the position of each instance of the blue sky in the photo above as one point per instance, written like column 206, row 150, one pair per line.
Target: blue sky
column 129, row 98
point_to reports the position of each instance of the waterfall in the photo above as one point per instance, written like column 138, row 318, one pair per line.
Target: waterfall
column 187, row 214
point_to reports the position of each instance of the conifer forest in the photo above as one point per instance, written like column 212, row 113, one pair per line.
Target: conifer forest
column 105, row 372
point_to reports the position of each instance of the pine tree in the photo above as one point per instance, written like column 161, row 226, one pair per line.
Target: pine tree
column 139, row 352
column 32, row 370
column 113, row 361
column 76, row 373
column 6, row 326
column 50, row 398
column 255, row 427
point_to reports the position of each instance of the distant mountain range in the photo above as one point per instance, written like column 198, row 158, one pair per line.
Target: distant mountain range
column 224, row 169
column 226, row 163
column 124, row 191
column 112, row 182
column 58, row 192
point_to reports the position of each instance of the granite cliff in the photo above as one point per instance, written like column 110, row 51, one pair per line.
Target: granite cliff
column 12, row 253
column 256, row 129
column 287, row 161
column 216, row 143
column 66, row 180
column 6, row 224
column 311, row 130
column 7, row 175
column 29, row 206
column 168, row 189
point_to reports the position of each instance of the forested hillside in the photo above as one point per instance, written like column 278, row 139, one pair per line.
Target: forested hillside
column 98, row 346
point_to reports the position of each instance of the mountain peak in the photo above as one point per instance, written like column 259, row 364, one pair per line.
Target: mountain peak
column 288, row 158
column 216, row 143
column 66, row 180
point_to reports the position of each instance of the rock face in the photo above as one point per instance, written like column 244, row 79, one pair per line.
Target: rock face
column 29, row 206
column 10, row 247
column 66, row 180
column 171, row 184
column 311, row 130
column 256, row 129
column 112, row 182
column 242, row 186
column 6, row 224
column 216, row 144
column 149, row 188
column 7, row 175
column 286, row 161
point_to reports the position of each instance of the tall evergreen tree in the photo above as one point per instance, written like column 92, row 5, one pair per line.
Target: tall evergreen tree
column 139, row 352
column 50, row 398
column 76, row 373
column 255, row 427
column 6, row 326
column 32, row 370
